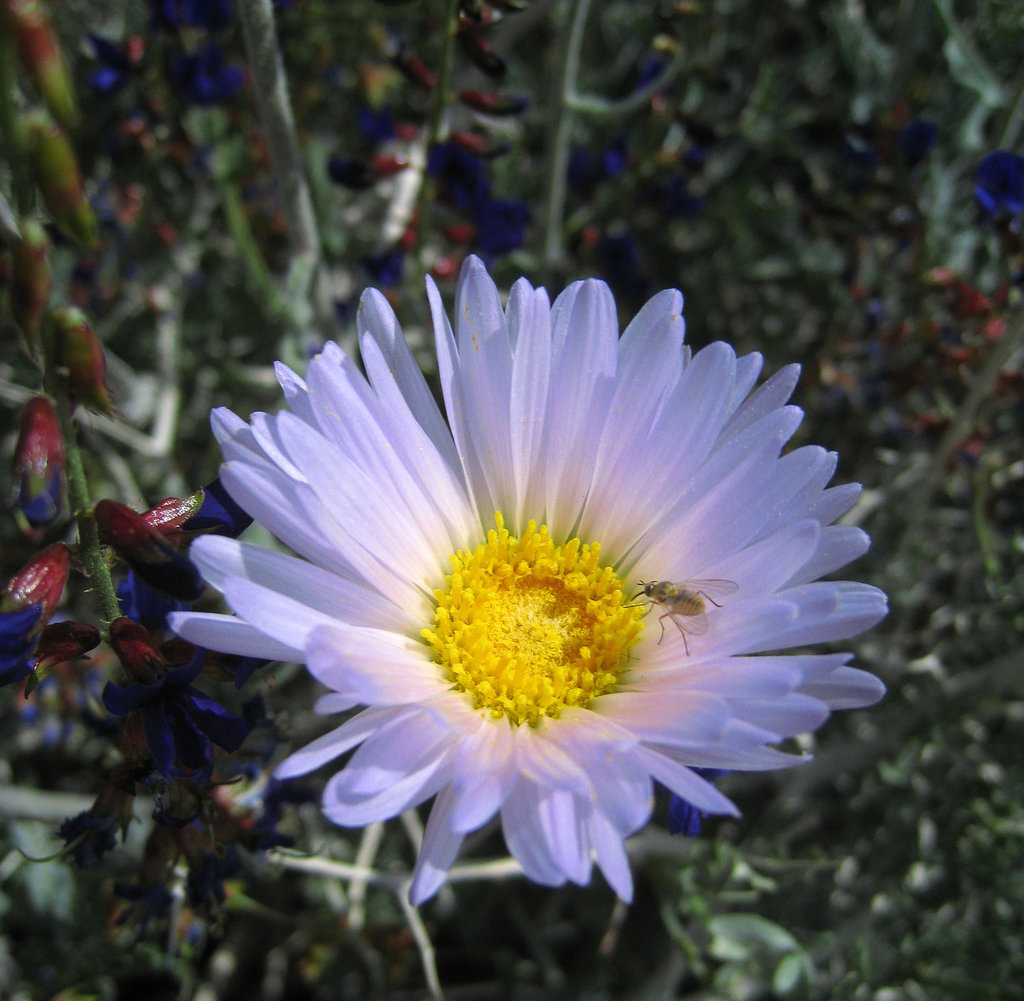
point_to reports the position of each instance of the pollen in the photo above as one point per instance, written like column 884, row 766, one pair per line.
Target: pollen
column 526, row 627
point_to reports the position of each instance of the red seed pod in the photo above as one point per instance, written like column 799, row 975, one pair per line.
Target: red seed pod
column 81, row 353
column 60, row 181
column 136, row 651
column 31, row 281
column 39, row 582
column 39, row 466
column 492, row 103
column 43, row 58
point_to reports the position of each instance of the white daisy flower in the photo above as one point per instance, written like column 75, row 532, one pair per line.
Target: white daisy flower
column 481, row 585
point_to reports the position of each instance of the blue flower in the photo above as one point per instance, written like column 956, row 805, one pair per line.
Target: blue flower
column 917, row 138
column 684, row 818
column 211, row 15
column 620, row 264
column 180, row 723
column 500, row 225
column 376, row 126
column 144, row 604
column 18, row 639
column 672, row 197
column 88, row 837
column 218, row 514
column 114, row 66
column 462, row 177
column 588, row 169
column 385, row 268
column 999, row 187
column 203, row 78
column 204, row 889
column 148, row 902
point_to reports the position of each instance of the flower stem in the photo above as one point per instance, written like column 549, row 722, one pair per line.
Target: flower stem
column 560, row 138
column 434, row 126
column 307, row 293
column 89, row 549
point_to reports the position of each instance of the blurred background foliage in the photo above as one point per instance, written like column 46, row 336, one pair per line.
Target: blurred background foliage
column 808, row 175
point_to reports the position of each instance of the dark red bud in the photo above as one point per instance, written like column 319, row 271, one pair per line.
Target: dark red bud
column 491, row 103
column 446, row 268
column 81, row 353
column 43, row 58
column 60, row 181
column 460, row 232
column 477, row 143
column 482, row 55
column 135, row 649
column 385, row 164
column 147, row 551
column 170, row 514
column 38, row 466
column 62, row 641
column 40, row 581
column 415, row 70
column 31, row 281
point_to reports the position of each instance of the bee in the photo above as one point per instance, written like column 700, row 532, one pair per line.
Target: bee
column 685, row 603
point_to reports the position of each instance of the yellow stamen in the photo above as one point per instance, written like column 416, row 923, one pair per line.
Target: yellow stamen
column 526, row 627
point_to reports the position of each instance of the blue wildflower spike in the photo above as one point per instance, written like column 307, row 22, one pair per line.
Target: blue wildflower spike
column 999, row 183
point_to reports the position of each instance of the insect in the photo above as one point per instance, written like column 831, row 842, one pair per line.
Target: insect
column 684, row 603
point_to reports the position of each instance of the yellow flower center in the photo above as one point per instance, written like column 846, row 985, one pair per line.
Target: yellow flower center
column 526, row 627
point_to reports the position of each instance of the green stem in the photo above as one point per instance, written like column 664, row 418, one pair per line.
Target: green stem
column 599, row 107
column 271, row 86
column 1011, row 132
column 90, row 550
column 444, row 76
column 561, row 136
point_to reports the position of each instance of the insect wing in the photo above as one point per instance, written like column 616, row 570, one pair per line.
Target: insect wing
column 710, row 588
column 695, row 625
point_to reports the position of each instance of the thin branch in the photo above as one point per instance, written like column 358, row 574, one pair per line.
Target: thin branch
column 561, row 137
column 307, row 290
column 423, row 943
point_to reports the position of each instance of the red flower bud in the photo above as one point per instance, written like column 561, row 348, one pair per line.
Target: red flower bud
column 446, row 268
column 460, row 232
column 136, row 651
column 170, row 514
column 478, row 144
column 147, row 551
column 38, row 466
column 39, row 582
column 386, row 164
column 62, row 641
column 81, row 353
column 415, row 70
column 60, row 181
column 491, row 103
column 43, row 58
column 482, row 55
column 31, row 280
